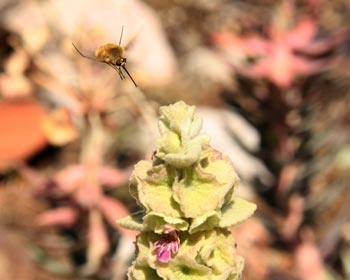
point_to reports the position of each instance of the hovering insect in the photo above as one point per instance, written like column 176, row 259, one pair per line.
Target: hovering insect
column 113, row 55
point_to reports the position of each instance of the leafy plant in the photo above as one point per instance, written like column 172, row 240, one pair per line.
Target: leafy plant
column 187, row 193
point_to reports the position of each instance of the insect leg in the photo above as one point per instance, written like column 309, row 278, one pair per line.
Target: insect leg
column 127, row 72
column 83, row 55
column 119, row 71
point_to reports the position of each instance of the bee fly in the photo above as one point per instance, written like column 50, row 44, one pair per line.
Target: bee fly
column 113, row 55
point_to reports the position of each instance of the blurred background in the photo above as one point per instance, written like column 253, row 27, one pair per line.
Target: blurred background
column 270, row 78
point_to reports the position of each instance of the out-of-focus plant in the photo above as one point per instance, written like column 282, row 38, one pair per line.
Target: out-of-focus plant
column 290, row 50
column 83, row 185
column 298, row 120
column 81, row 191
column 89, row 111
column 13, row 81
column 187, row 193
column 18, row 117
column 327, row 168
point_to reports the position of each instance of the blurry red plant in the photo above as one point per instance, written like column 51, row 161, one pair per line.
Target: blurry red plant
column 73, row 181
column 21, row 132
column 84, row 185
column 287, row 53
column 308, row 260
column 63, row 216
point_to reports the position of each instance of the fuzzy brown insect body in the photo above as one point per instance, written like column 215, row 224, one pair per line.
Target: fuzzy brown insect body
column 113, row 55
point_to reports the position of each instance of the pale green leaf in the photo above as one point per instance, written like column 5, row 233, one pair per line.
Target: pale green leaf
column 205, row 222
column 133, row 221
column 160, row 223
column 236, row 211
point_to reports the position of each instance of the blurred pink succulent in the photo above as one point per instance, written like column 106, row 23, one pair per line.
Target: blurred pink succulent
column 287, row 53
column 84, row 185
column 76, row 182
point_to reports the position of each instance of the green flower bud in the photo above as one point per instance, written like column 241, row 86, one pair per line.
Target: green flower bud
column 180, row 144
